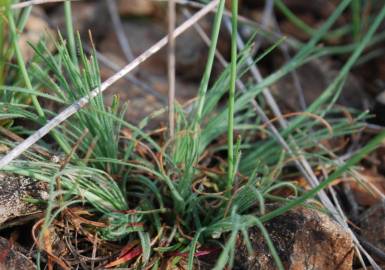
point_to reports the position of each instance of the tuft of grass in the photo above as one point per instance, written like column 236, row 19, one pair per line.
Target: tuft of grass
column 208, row 190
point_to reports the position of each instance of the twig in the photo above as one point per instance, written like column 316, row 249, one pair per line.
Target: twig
column 171, row 67
column 90, row 150
column 69, row 111
column 269, row 34
column 129, row 77
column 372, row 248
column 289, row 40
column 66, row 161
column 17, row 138
column 94, row 250
column 205, row 37
column 36, row 2
column 114, row 67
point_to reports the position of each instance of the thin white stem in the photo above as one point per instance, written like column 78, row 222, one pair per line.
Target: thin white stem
column 129, row 77
column 274, row 35
column 171, row 67
column 35, row 2
column 205, row 37
column 69, row 111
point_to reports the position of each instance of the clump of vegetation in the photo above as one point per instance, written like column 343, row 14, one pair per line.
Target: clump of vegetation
column 170, row 201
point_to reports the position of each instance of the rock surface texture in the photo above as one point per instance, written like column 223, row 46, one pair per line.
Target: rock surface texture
column 305, row 239
column 14, row 190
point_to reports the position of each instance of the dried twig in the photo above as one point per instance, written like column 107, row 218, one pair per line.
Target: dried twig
column 171, row 67
column 289, row 40
column 35, row 2
column 129, row 77
column 17, row 138
column 65, row 162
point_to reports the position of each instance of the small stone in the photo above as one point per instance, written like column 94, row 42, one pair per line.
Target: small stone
column 304, row 239
column 13, row 191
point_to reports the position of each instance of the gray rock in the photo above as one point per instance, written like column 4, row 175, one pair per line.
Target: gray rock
column 305, row 239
